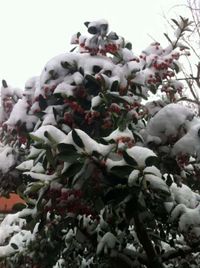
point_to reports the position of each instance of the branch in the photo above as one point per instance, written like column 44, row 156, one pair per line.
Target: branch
column 189, row 100
column 153, row 260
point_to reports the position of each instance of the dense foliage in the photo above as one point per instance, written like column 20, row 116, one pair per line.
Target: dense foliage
column 110, row 176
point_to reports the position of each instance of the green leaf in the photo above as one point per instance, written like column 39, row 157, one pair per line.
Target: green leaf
column 169, row 180
column 50, row 157
column 18, row 207
column 131, row 207
column 176, row 67
column 91, row 79
column 35, row 138
column 35, row 187
column 68, row 148
column 128, row 45
column 78, row 34
column 166, row 35
column 122, row 123
column 42, row 102
column 40, row 114
column 176, row 22
column 98, row 204
column 141, row 200
column 65, row 64
column 77, row 139
column 13, row 245
column 21, row 192
column 39, row 203
column 74, row 169
column 114, row 98
column 115, row 86
column 129, row 160
column 73, row 49
column 86, row 23
column 121, row 171
column 115, row 195
column 92, row 84
column 80, row 236
column 49, row 137
column 40, row 145
column 4, row 83
column 96, row 69
column 153, row 88
column 70, row 158
column 81, row 70
column 96, row 154
column 137, row 135
column 152, row 161
column 113, row 36
column 171, row 242
column 55, row 113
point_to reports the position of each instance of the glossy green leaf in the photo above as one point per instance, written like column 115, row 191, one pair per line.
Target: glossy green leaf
column 68, row 148
column 68, row 157
column 129, row 160
column 152, row 161
column 77, row 139
column 121, row 171
column 13, row 245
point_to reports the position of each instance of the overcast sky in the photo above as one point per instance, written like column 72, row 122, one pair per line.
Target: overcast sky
column 34, row 31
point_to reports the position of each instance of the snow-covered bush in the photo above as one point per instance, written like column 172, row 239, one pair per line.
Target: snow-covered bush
column 108, row 179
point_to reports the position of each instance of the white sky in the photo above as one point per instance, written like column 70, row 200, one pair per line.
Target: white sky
column 34, row 31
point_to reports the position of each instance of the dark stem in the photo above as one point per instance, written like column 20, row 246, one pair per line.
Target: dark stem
column 154, row 260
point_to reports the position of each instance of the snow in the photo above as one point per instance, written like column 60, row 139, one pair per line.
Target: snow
column 167, row 122
column 117, row 134
column 12, row 227
column 56, row 134
column 152, row 170
column 55, row 65
column 154, row 106
column 38, row 168
column 60, row 263
column 49, row 118
column 70, row 235
column 112, row 163
column 87, row 262
column 90, row 145
column 7, row 158
column 40, row 176
column 34, row 152
column 184, row 195
column 19, row 115
column 188, row 218
column 97, row 23
column 78, row 78
column 10, row 91
column 189, row 143
column 108, row 241
column 62, row 75
column 132, row 179
column 65, row 89
column 30, row 87
column 95, row 101
column 26, row 165
column 140, row 154
column 87, row 62
column 127, row 54
column 157, row 183
column 154, row 48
